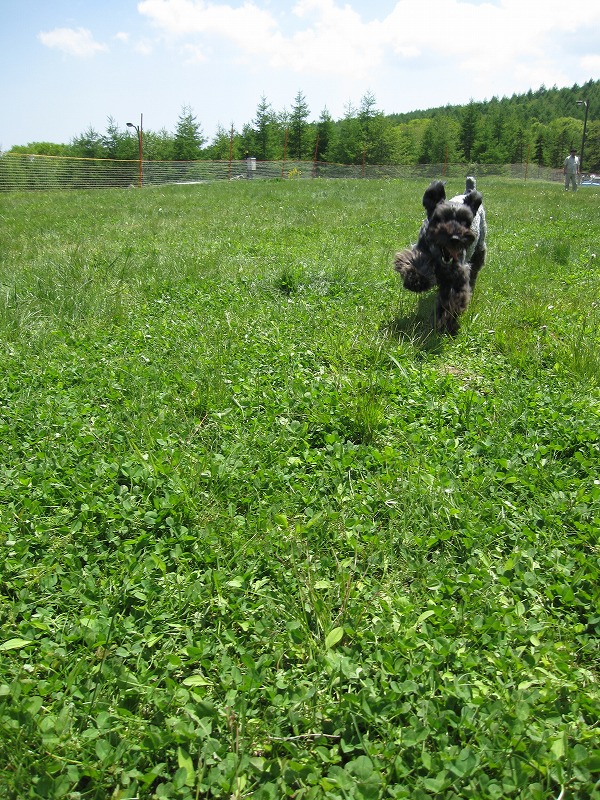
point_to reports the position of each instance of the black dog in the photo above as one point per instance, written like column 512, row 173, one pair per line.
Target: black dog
column 449, row 253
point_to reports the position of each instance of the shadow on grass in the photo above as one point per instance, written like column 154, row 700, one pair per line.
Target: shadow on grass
column 417, row 328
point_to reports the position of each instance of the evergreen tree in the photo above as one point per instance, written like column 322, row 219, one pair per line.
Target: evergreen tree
column 158, row 146
column 539, row 148
column 592, row 148
column 298, row 127
column 377, row 134
column 224, row 143
column 41, row 149
column 440, row 141
column 486, row 148
column 380, row 147
column 263, row 125
column 367, row 113
column 515, row 139
column 188, row 141
column 113, row 141
column 347, row 144
column 408, row 137
column 88, row 145
column 468, row 128
column 247, row 143
column 324, row 134
column 281, row 130
column 497, row 132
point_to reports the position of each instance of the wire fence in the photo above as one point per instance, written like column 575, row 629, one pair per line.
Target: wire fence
column 19, row 172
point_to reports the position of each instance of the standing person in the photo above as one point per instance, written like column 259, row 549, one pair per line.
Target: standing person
column 571, row 170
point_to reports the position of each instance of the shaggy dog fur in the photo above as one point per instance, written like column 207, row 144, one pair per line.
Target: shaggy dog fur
column 449, row 253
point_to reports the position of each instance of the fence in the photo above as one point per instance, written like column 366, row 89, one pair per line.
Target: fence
column 20, row 172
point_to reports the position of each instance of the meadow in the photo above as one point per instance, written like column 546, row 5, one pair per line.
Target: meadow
column 263, row 533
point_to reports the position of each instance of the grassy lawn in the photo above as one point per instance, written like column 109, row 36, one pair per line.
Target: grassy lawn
column 263, row 534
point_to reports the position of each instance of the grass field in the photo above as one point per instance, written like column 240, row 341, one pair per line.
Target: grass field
column 263, row 534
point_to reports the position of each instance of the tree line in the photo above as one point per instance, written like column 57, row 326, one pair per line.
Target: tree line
column 537, row 127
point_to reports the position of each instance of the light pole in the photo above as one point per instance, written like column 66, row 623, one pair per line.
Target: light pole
column 140, row 134
column 585, row 103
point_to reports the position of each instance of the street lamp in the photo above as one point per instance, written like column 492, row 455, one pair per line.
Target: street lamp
column 140, row 135
column 585, row 103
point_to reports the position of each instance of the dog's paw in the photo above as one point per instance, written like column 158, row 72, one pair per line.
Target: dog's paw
column 417, row 273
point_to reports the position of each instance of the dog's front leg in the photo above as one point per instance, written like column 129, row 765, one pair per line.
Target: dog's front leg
column 415, row 270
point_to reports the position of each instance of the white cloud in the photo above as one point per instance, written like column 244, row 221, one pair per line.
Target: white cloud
column 592, row 64
column 144, row 47
column 75, row 42
column 334, row 39
column 491, row 45
column 189, row 17
column 194, row 55
column 488, row 37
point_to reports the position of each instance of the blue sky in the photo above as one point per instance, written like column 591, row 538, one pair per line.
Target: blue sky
column 67, row 65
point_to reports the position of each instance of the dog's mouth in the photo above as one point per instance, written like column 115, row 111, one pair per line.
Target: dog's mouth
column 452, row 252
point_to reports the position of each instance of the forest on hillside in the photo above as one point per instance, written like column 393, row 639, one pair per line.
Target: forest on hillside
column 538, row 127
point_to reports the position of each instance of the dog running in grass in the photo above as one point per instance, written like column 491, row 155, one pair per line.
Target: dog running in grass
column 449, row 252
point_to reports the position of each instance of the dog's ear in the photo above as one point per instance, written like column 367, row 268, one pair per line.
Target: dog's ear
column 434, row 194
column 473, row 199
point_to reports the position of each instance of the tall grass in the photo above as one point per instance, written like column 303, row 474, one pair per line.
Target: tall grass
column 264, row 533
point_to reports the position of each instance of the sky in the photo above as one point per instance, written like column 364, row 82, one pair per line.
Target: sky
column 68, row 65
